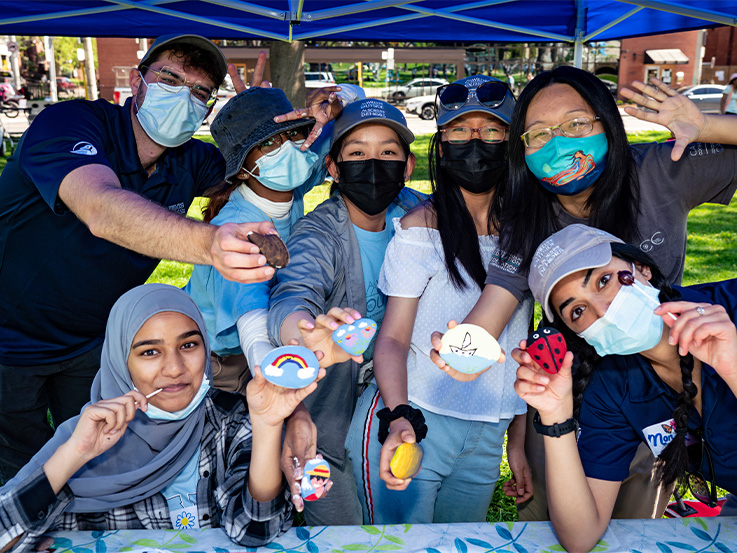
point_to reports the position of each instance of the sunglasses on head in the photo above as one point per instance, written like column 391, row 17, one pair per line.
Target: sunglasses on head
column 455, row 96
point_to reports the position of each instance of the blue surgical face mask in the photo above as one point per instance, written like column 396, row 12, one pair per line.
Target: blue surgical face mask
column 169, row 115
column 629, row 324
column 287, row 169
column 568, row 166
column 154, row 412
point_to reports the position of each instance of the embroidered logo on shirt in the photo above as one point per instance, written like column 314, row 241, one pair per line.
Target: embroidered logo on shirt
column 659, row 435
column 84, row 149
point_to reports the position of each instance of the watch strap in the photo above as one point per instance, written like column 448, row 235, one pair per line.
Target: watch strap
column 556, row 430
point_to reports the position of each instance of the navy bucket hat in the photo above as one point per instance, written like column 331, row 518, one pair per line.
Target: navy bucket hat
column 248, row 119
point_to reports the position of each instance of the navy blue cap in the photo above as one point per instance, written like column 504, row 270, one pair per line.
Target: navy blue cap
column 371, row 110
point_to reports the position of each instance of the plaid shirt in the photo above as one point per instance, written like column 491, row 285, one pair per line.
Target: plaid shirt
column 223, row 499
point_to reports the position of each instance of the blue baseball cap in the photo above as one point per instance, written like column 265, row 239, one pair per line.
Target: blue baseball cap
column 503, row 111
column 371, row 110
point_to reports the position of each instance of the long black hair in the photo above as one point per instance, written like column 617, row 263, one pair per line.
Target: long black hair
column 524, row 209
column 455, row 223
column 673, row 460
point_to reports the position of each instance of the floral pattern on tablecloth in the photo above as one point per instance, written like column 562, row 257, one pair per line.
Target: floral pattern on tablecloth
column 694, row 535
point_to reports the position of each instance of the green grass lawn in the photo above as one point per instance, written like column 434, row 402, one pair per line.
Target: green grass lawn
column 712, row 255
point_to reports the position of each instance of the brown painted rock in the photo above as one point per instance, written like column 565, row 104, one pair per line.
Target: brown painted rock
column 273, row 248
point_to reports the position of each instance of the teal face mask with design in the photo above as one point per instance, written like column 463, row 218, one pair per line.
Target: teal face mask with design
column 568, row 166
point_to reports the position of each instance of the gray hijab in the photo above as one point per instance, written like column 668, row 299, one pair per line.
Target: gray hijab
column 151, row 453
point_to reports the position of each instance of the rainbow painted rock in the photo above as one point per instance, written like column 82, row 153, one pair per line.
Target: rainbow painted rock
column 290, row 367
column 406, row 460
column 356, row 337
column 469, row 349
column 315, row 480
column 547, row 348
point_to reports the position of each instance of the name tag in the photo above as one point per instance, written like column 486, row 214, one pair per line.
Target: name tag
column 659, row 435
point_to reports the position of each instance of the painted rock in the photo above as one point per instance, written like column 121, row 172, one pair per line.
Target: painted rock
column 273, row 248
column 406, row 460
column 469, row 349
column 290, row 367
column 547, row 348
column 315, row 480
column 355, row 338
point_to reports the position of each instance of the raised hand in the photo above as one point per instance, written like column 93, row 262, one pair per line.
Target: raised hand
column 550, row 394
column 705, row 331
column 318, row 336
column 322, row 105
column 270, row 404
column 670, row 109
column 258, row 75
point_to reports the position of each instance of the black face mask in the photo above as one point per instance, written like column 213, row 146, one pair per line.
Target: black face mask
column 476, row 165
column 372, row 184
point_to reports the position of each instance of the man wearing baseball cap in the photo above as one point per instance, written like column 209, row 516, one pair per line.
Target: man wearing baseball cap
column 95, row 195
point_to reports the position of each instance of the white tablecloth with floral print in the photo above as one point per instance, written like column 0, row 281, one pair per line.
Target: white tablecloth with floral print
column 695, row 535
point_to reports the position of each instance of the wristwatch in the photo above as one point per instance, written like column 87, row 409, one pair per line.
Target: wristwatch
column 557, row 430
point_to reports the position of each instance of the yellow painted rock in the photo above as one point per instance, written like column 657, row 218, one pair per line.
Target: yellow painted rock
column 406, row 461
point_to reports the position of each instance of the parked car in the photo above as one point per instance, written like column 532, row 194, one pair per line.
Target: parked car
column 707, row 97
column 318, row 79
column 414, row 88
column 423, row 106
column 65, row 84
column 610, row 85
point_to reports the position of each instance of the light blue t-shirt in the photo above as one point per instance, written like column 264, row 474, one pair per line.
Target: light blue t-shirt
column 373, row 247
column 222, row 302
column 181, row 495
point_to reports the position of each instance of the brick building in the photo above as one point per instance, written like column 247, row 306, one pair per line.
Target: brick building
column 674, row 58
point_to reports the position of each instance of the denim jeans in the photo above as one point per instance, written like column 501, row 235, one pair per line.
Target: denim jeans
column 459, row 471
column 27, row 393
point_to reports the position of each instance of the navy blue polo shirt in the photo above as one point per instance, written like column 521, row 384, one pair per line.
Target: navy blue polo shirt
column 626, row 403
column 58, row 281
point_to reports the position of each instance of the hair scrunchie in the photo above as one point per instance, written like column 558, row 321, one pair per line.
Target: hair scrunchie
column 415, row 417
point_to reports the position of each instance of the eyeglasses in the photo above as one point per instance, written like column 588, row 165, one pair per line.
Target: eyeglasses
column 702, row 489
column 455, row 96
column 573, row 128
column 272, row 144
column 177, row 79
column 461, row 135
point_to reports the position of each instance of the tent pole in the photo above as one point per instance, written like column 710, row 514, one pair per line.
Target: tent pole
column 579, row 34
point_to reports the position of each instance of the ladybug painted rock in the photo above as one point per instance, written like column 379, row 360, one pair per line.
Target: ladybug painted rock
column 547, row 348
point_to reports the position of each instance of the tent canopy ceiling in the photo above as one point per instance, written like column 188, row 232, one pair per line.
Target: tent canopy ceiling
column 367, row 20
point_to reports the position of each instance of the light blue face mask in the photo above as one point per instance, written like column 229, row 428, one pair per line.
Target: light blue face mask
column 169, row 115
column 629, row 324
column 568, row 166
column 287, row 169
column 154, row 412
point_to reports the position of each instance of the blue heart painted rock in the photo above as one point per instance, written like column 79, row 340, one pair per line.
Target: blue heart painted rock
column 290, row 367
column 315, row 480
column 356, row 337
column 469, row 349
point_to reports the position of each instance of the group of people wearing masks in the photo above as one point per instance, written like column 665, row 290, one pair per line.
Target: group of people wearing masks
column 539, row 199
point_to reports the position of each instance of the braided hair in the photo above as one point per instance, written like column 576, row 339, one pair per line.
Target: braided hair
column 673, row 460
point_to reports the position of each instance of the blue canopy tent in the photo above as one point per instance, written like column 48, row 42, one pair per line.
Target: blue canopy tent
column 576, row 21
